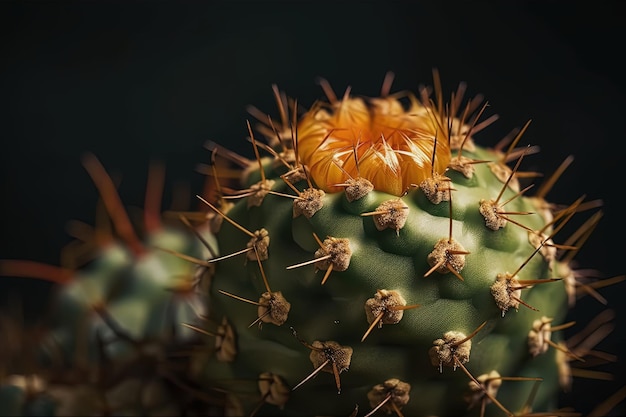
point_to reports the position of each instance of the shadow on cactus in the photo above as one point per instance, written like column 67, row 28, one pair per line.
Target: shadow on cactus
column 371, row 259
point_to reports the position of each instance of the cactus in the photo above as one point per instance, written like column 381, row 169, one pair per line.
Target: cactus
column 113, row 340
column 371, row 259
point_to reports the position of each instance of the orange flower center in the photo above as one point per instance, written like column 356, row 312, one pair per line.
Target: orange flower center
column 380, row 140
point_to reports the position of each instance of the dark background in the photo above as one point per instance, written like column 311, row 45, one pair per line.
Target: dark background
column 137, row 81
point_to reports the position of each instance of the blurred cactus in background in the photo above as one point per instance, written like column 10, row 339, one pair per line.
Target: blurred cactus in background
column 372, row 258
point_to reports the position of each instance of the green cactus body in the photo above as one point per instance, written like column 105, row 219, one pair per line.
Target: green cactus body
column 113, row 339
column 390, row 240
column 375, row 261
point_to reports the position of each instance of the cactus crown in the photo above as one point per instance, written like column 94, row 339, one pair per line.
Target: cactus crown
column 380, row 140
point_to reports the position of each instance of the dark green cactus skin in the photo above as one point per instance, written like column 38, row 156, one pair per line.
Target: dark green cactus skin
column 385, row 260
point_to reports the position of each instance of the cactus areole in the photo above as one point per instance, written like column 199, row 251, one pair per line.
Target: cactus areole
column 371, row 259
